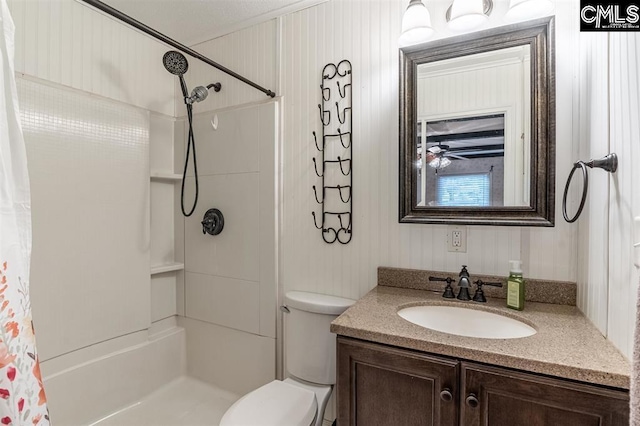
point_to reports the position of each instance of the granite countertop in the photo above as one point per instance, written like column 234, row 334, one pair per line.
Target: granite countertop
column 566, row 344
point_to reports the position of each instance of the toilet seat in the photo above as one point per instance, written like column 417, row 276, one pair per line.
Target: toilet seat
column 274, row 404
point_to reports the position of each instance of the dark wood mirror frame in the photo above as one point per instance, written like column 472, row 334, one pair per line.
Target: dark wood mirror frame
column 539, row 35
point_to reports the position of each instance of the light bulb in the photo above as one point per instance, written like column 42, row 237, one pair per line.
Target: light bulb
column 520, row 10
column 467, row 15
column 416, row 24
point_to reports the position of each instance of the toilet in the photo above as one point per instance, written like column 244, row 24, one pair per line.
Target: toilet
column 310, row 351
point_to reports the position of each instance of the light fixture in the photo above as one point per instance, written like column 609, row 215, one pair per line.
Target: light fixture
column 416, row 24
column 439, row 162
column 465, row 15
column 520, row 10
column 436, row 158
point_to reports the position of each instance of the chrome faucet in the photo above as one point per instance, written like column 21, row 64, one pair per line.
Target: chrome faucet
column 464, row 283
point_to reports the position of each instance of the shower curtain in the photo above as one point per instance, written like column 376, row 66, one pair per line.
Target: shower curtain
column 22, row 397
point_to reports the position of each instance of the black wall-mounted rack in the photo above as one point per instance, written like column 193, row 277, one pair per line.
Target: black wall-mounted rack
column 335, row 154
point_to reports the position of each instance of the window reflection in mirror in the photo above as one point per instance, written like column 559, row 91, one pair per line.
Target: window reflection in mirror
column 472, row 134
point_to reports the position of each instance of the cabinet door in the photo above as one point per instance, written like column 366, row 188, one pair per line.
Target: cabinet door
column 499, row 397
column 379, row 385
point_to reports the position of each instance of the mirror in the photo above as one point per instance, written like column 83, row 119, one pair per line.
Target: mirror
column 478, row 128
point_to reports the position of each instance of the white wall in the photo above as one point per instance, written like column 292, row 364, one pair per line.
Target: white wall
column 68, row 42
column 609, row 123
column 250, row 52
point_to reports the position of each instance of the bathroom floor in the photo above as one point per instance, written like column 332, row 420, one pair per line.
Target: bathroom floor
column 183, row 402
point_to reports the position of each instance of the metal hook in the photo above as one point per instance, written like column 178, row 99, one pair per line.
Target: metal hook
column 346, row 232
column 315, row 138
column 340, row 192
column 322, row 88
column 344, row 113
column 315, row 193
column 315, row 168
column 325, row 74
column 314, row 220
column 322, row 113
column 340, row 161
column 341, row 134
column 347, row 71
column 327, row 232
column 342, row 95
column 348, row 227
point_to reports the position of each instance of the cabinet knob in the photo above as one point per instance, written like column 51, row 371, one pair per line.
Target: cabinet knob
column 472, row 401
column 446, row 395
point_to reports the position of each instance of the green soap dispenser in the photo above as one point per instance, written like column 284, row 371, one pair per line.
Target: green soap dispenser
column 515, row 286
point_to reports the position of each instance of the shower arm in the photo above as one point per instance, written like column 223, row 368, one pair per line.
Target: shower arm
column 163, row 38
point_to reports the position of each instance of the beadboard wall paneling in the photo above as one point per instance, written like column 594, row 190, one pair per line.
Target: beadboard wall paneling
column 624, row 96
column 366, row 33
column 593, row 235
column 250, row 52
column 70, row 43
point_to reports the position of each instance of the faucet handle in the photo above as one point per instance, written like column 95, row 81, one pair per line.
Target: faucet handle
column 464, row 272
column 448, row 290
column 479, row 295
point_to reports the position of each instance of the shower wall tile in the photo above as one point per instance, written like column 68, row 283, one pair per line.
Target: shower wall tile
column 224, row 301
column 162, row 222
column 235, row 252
column 230, row 279
column 161, row 151
column 233, row 360
column 163, row 296
column 70, row 43
column 234, row 147
column 89, row 169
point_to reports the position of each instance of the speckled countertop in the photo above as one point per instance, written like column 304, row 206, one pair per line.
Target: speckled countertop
column 566, row 344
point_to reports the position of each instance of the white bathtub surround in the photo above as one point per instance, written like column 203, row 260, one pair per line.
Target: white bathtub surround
column 97, row 381
column 185, row 401
column 21, row 388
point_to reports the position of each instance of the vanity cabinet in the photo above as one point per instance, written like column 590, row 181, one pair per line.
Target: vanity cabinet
column 379, row 385
column 492, row 396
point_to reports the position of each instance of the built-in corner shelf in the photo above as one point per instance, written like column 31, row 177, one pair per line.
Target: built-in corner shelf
column 168, row 267
column 157, row 175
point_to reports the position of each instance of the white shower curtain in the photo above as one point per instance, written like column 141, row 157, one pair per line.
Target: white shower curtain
column 22, row 397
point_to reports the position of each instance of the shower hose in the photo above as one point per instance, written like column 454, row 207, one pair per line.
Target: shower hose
column 191, row 146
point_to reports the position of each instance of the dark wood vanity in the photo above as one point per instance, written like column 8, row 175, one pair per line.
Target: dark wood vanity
column 379, row 385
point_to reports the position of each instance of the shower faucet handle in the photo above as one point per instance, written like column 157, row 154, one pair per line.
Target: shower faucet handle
column 212, row 222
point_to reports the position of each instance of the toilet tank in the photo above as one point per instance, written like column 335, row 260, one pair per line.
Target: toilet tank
column 310, row 348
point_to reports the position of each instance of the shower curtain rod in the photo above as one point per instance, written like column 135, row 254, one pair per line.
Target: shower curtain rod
column 163, row 38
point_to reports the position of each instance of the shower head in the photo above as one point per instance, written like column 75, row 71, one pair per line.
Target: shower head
column 175, row 62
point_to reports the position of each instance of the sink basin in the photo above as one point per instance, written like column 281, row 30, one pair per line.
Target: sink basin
column 466, row 322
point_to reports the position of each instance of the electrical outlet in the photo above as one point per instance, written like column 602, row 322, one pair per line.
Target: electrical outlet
column 457, row 238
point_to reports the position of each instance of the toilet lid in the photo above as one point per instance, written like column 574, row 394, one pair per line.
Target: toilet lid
column 274, row 404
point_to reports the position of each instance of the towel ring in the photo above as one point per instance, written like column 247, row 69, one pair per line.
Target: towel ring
column 608, row 163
